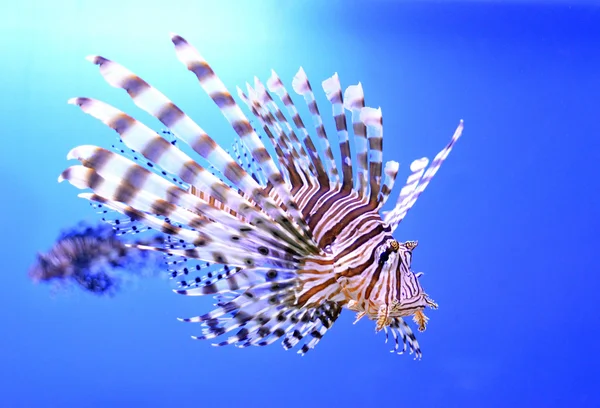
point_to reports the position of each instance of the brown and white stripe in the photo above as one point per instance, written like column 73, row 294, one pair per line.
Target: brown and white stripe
column 304, row 160
column 276, row 85
column 373, row 119
column 354, row 101
column 333, row 91
column 301, row 86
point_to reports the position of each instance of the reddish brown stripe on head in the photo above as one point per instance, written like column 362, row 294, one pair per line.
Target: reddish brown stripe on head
column 373, row 281
column 204, row 145
column 169, row 114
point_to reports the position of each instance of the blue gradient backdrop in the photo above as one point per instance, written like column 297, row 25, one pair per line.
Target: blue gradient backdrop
column 508, row 229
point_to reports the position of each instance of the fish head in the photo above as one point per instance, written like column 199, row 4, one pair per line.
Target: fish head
column 402, row 294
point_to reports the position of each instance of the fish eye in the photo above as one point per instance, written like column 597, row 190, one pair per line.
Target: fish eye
column 385, row 255
column 387, row 249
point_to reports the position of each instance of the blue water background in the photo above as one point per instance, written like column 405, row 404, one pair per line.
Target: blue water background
column 508, row 229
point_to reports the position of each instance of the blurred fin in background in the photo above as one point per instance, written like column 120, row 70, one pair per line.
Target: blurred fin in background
column 97, row 258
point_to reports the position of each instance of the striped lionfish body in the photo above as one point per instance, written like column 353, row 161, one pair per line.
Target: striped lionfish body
column 294, row 239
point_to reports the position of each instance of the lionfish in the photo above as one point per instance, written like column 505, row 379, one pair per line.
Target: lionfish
column 95, row 258
column 294, row 240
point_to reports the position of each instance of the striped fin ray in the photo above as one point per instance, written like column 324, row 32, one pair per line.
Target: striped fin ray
column 252, row 300
column 204, row 196
column 203, row 252
column 291, row 324
column 301, row 86
column 156, row 149
column 283, row 153
column 232, row 280
column 181, row 267
column 255, row 325
column 167, row 156
column 417, row 168
column 303, row 158
column 202, row 246
column 289, row 158
column 354, row 101
column 217, row 91
column 246, row 160
column 121, row 224
column 315, row 324
column 129, row 180
column 299, row 161
column 325, row 316
column 391, row 171
column 400, row 212
column 372, row 118
column 402, row 331
column 297, row 332
column 227, row 240
column 154, row 102
column 294, row 326
column 333, row 90
column 273, row 329
column 276, row 85
column 260, row 97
